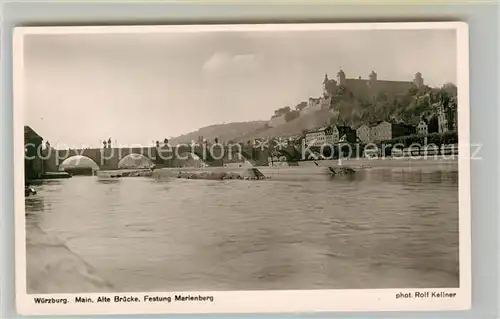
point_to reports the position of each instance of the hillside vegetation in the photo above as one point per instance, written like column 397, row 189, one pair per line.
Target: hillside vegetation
column 223, row 132
column 345, row 109
column 296, row 126
column 408, row 108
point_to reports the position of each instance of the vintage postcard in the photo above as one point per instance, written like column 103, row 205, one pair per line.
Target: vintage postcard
column 267, row 168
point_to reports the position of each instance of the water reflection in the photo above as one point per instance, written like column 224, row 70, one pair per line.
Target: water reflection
column 47, row 182
column 108, row 181
column 33, row 205
column 379, row 228
column 409, row 176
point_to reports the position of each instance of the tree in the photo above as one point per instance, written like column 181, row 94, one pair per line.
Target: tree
column 433, row 126
column 345, row 108
column 301, row 106
column 417, row 101
column 354, row 117
column 452, row 113
column 281, row 111
column 292, row 115
column 381, row 97
column 341, row 90
column 332, row 120
column 450, row 88
column 341, row 121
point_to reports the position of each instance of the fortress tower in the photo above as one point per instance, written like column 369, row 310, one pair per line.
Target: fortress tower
column 325, row 84
column 341, row 77
column 329, row 86
column 418, row 80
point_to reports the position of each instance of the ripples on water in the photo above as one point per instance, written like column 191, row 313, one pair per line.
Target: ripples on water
column 381, row 228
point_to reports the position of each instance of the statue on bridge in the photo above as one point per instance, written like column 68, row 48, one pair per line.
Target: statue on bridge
column 106, row 144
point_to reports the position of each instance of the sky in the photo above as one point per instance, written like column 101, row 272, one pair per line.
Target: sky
column 80, row 89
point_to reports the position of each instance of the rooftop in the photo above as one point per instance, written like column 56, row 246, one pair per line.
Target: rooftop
column 30, row 133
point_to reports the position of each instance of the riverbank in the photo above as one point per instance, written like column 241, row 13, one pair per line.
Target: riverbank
column 320, row 170
column 302, row 168
column 387, row 162
column 124, row 173
column 52, row 268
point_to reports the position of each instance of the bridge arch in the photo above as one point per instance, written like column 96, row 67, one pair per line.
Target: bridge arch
column 135, row 160
column 79, row 165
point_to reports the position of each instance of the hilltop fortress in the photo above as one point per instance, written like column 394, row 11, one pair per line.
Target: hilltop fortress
column 334, row 90
column 369, row 88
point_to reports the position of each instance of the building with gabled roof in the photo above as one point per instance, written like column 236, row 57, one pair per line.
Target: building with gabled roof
column 33, row 160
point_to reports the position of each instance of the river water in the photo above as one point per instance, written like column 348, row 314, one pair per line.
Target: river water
column 381, row 228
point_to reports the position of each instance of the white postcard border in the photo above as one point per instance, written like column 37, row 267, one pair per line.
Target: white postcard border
column 252, row 301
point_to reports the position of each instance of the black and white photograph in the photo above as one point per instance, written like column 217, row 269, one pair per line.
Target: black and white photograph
column 242, row 168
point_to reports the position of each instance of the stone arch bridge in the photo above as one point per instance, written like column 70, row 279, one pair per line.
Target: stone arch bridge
column 211, row 155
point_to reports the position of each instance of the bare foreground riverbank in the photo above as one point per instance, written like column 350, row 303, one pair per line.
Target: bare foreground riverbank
column 51, row 265
column 76, row 247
